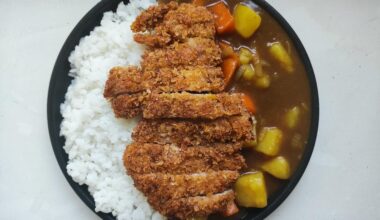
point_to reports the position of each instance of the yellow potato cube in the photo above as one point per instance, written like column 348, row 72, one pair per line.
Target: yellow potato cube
column 249, row 72
column 245, row 56
column 280, row 54
column 278, row 167
column 270, row 140
column 262, row 82
column 292, row 117
column 251, row 190
column 247, row 21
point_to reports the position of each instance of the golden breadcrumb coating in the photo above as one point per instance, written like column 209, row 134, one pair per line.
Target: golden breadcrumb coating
column 162, row 186
column 152, row 16
column 185, row 21
column 193, row 207
column 193, row 52
column 131, row 79
column 143, row 158
column 187, row 105
column 128, row 106
column 195, row 132
column 178, row 105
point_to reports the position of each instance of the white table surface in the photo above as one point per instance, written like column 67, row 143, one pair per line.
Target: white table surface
column 342, row 180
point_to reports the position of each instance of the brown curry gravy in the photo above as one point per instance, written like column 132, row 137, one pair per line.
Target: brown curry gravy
column 286, row 91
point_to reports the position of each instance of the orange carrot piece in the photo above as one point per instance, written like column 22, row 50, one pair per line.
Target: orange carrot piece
column 249, row 104
column 199, row 2
column 223, row 18
column 229, row 67
column 231, row 209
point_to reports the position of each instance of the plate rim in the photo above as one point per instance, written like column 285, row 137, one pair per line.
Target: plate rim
column 106, row 5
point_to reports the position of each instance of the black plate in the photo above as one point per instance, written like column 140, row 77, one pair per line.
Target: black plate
column 60, row 81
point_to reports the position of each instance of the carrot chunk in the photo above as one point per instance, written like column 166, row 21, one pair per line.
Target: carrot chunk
column 229, row 67
column 249, row 104
column 223, row 18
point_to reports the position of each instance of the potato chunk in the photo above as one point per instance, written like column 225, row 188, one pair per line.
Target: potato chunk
column 279, row 53
column 251, row 191
column 292, row 117
column 245, row 56
column 277, row 167
column 262, row 82
column 247, row 21
column 270, row 139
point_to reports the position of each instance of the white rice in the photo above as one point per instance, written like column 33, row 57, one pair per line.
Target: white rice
column 95, row 139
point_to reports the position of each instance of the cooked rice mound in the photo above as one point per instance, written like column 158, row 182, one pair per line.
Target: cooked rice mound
column 95, row 139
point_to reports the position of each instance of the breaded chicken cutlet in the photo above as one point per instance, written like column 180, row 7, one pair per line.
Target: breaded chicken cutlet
column 185, row 154
column 132, row 79
column 192, row 52
column 172, row 22
column 179, row 105
column 196, row 132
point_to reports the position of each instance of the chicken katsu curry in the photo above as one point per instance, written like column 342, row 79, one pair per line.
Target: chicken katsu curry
column 224, row 117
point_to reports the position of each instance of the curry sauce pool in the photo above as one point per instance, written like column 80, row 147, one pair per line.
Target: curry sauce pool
column 272, row 75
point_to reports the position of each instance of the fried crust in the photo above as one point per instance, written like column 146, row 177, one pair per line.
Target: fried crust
column 152, row 16
column 178, row 105
column 162, row 186
column 131, row 79
column 193, row 106
column 195, row 132
column 186, row 21
column 193, row 52
column 128, row 106
column 192, row 207
column 152, row 158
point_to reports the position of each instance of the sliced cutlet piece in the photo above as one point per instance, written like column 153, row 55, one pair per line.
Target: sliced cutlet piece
column 193, row 207
column 131, row 79
column 195, row 132
column 152, row 158
column 193, row 52
column 193, row 106
column 168, row 186
column 178, row 105
column 151, row 17
column 187, row 21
